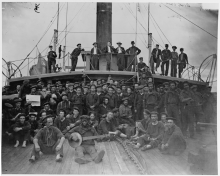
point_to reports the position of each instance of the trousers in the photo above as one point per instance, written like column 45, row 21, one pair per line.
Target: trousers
column 74, row 61
column 121, row 62
column 167, row 63
column 95, row 62
column 143, row 140
column 86, row 149
column 187, row 119
column 47, row 150
column 21, row 135
column 173, row 68
column 51, row 63
column 173, row 111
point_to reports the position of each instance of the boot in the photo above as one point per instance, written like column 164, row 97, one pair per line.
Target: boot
column 58, row 158
column 99, row 157
column 24, row 144
column 81, row 161
column 17, row 144
column 32, row 159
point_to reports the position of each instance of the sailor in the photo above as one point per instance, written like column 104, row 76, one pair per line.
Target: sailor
column 112, row 98
column 21, row 130
column 182, row 61
column 99, row 93
column 34, row 125
column 166, row 86
column 74, row 56
column 163, row 118
column 165, row 56
column 132, row 60
column 125, row 113
column 92, row 99
column 161, row 100
column 172, row 103
column 120, row 57
column 131, row 97
column 16, row 110
column 119, row 96
column 138, row 103
column 143, row 79
column 46, row 108
column 51, row 59
column 103, row 108
column 156, row 58
column 78, row 100
column 108, row 49
column 95, row 51
column 61, row 122
column 65, row 104
column 70, row 92
column 60, row 50
column 173, row 142
column 187, row 112
column 87, row 146
column 48, row 140
column 174, row 60
column 141, row 65
column 154, row 134
column 151, row 99
column 74, row 118
column 93, row 120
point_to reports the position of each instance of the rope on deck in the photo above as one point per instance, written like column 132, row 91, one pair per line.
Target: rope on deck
column 131, row 156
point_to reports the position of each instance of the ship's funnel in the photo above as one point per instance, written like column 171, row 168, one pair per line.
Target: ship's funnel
column 104, row 24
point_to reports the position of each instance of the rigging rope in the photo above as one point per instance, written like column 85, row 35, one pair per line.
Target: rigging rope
column 191, row 22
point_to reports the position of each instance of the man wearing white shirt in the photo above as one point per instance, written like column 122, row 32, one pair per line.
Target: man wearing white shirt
column 108, row 49
column 95, row 51
column 121, row 58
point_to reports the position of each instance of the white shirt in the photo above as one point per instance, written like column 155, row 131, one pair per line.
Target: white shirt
column 95, row 50
column 109, row 49
column 119, row 50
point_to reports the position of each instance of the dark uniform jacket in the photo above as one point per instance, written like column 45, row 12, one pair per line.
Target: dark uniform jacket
column 151, row 98
column 97, row 52
column 104, row 127
column 70, row 95
column 133, row 48
column 154, row 54
column 166, row 55
column 52, row 55
column 112, row 100
column 122, row 50
column 92, row 100
column 139, row 98
column 140, row 66
column 172, row 97
column 77, row 99
column 76, row 52
column 25, row 127
column 105, row 49
column 61, row 125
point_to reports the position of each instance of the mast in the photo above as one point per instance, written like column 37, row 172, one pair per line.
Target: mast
column 149, row 38
column 64, row 47
column 136, row 26
column 103, row 23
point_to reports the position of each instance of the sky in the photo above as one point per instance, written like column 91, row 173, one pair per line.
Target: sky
column 22, row 28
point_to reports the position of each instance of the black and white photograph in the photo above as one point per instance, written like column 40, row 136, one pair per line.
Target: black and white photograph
column 109, row 88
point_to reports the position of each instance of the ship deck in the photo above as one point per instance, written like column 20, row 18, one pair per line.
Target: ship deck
column 115, row 161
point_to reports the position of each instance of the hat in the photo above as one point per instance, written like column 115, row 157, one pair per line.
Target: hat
column 157, row 45
column 8, row 105
column 150, row 83
column 39, row 81
column 99, row 86
column 76, row 108
column 166, row 45
column 78, row 87
column 52, row 85
column 98, row 80
column 70, row 84
column 125, row 98
column 50, row 46
column 163, row 113
column 110, row 87
column 47, row 103
column 78, row 44
column 7, row 86
column 132, row 42
column 153, row 112
column 140, row 58
column 174, row 47
column 85, row 86
column 17, row 100
column 160, row 85
column 64, row 94
column 119, row 43
column 105, row 97
column 33, row 114
column 48, row 116
column 172, row 82
column 170, row 118
column 115, row 110
column 193, row 86
column 21, row 114
column 147, row 111
column 27, row 103
column 34, row 86
column 84, row 117
column 94, row 43
column 165, row 83
column 181, row 49
column 39, row 87
column 49, row 81
column 140, row 87
column 185, row 82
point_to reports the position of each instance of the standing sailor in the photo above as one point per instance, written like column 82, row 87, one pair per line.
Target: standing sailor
column 156, row 56
column 183, row 60
column 108, row 49
column 60, row 49
column 95, row 51
column 51, row 59
column 132, row 60
column 121, row 58
column 174, row 60
column 166, row 56
column 74, row 56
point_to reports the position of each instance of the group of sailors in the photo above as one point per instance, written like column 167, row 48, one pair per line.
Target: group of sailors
column 147, row 115
column 127, row 59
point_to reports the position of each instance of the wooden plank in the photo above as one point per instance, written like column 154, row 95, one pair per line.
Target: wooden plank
column 74, row 167
column 99, row 166
column 106, row 163
column 129, row 163
column 6, row 149
column 119, row 159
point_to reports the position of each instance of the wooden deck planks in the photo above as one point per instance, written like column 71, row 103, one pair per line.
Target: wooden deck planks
column 99, row 166
column 119, row 158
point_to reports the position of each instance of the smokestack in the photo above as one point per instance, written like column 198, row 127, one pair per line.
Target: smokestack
column 104, row 24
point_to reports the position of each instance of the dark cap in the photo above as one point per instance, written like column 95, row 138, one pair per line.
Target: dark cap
column 50, row 46
column 125, row 98
column 119, row 43
column 174, row 47
column 21, row 114
column 170, row 118
column 94, row 43
column 32, row 114
column 64, row 94
column 84, row 117
column 140, row 58
column 157, row 45
column 172, row 82
column 163, row 113
column 115, row 110
column 181, row 49
column 132, row 42
column 17, row 100
column 147, row 111
column 34, row 86
column 106, row 97
column 46, row 103
column 76, row 108
column 78, row 44
column 193, row 86
column 70, row 84
column 166, row 45
column 154, row 112
column 185, row 82
column 165, row 83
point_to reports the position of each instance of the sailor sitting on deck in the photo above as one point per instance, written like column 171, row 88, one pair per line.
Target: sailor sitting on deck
column 88, row 146
column 153, row 135
column 173, row 141
column 48, row 140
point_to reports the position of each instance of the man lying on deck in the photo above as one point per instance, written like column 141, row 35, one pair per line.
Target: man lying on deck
column 153, row 135
column 173, row 141
column 87, row 146
column 48, row 140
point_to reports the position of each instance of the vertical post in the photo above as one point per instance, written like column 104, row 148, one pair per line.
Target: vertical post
column 149, row 49
column 148, row 18
column 28, row 66
column 55, row 37
column 58, row 17
column 64, row 53
column 136, row 25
